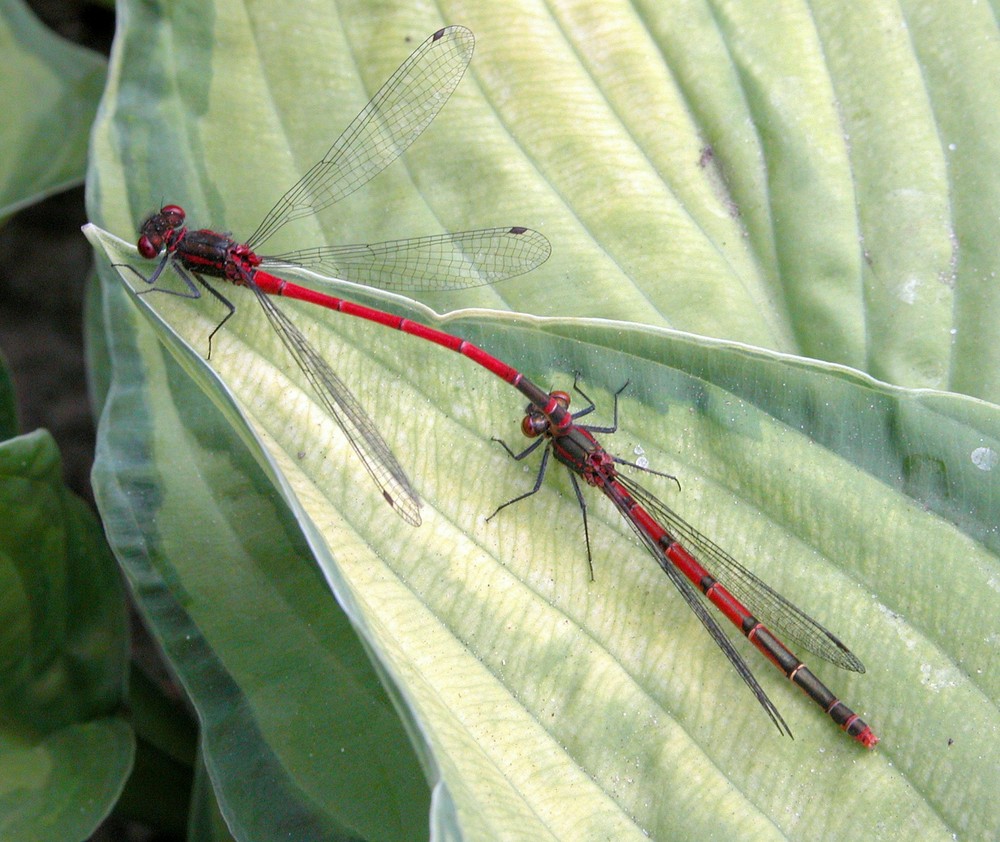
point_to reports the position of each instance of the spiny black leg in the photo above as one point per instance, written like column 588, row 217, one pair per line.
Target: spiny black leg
column 152, row 279
column 617, row 394
column 586, row 529
column 538, row 480
column 192, row 290
column 614, row 427
column 531, row 448
column 645, row 470
column 218, row 296
column 590, row 404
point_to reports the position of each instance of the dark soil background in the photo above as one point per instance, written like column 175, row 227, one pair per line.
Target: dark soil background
column 44, row 265
column 44, row 261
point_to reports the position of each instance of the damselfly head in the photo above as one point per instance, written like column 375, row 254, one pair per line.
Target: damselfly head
column 561, row 398
column 158, row 231
column 535, row 423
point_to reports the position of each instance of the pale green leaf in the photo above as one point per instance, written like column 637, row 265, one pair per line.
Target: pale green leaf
column 690, row 174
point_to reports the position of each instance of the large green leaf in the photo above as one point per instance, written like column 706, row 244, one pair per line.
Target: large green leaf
column 50, row 89
column 65, row 750
column 691, row 174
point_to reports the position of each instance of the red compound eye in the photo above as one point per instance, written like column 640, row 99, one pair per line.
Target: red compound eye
column 174, row 214
column 147, row 248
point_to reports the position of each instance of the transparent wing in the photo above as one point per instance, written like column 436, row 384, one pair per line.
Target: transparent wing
column 344, row 408
column 443, row 262
column 770, row 607
column 404, row 106
column 698, row 605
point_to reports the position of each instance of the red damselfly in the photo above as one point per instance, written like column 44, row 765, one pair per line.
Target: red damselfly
column 397, row 114
column 403, row 107
column 691, row 561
